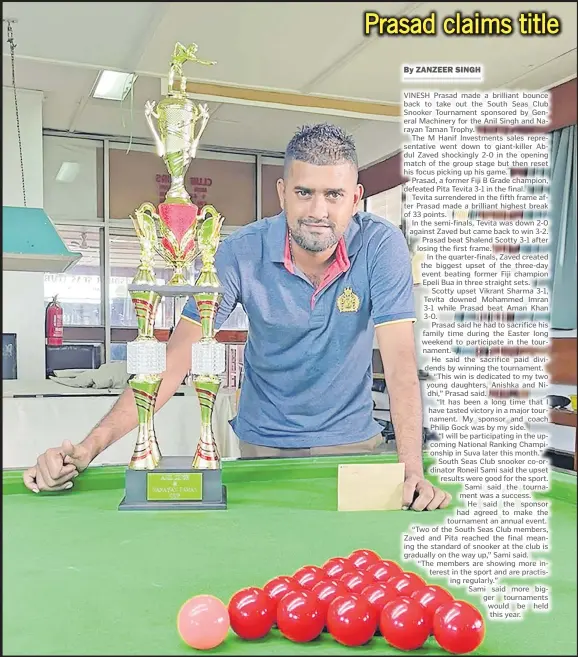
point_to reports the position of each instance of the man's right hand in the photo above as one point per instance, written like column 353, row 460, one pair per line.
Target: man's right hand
column 57, row 467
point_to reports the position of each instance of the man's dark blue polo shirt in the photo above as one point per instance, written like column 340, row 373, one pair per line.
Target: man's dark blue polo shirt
column 308, row 356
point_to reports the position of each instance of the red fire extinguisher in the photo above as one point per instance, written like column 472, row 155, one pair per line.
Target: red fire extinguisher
column 53, row 324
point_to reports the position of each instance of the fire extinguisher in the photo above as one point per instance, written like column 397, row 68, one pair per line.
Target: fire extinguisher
column 53, row 324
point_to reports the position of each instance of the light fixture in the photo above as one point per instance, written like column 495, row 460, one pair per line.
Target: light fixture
column 67, row 172
column 112, row 85
column 30, row 242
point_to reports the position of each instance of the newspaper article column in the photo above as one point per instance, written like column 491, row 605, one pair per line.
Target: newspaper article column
column 477, row 204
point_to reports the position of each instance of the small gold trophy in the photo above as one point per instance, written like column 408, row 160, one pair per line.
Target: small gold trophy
column 178, row 232
column 208, row 359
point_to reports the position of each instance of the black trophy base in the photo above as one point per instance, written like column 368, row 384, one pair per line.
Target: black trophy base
column 174, row 486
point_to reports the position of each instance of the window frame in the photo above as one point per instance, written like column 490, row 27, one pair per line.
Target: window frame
column 105, row 333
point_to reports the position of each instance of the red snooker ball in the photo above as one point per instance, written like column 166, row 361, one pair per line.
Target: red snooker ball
column 277, row 587
column 430, row 598
column 384, row 569
column 406, row 583
column 356, row 581
column 361, row 559
column 458, row 627
column 252, row 613
column 300, row 616
column 351, row 620
column 403, row 624
column 337, row 566
column 327, row 591
column 308, row 576
column 378, row 594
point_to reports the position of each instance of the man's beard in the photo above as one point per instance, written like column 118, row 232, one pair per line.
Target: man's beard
column 310, row 241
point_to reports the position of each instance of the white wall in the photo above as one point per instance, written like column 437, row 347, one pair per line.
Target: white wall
column 32, row 425
column 23, row 292
column 23, row 314
column 30, row 113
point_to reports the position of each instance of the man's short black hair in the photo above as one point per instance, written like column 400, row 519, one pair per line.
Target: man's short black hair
column 321, row 144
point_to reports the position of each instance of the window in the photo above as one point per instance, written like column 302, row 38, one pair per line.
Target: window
column 79, row 288
column 124, row 254
column 387, row 204
column 93, row 217
column 73, row 179
column 117, row 351
column 271, row 171
column 225, row 181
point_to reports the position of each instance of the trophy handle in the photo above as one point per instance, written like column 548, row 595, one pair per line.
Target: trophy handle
column 210, row 229
column 204, row 114
column 149, row 113
column 144, row 223
column 211, row 212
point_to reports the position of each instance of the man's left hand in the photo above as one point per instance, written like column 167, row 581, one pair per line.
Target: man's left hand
column 427, row 496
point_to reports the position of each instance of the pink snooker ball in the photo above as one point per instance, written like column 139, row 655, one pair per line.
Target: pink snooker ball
column 203, row 622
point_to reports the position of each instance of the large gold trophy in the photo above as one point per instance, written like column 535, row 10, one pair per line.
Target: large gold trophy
column 178, row 232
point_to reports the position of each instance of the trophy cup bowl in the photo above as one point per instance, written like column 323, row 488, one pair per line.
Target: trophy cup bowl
column 181, row 122
column 177, row 226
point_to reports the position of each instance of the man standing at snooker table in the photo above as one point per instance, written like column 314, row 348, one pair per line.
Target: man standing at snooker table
column 316, row 281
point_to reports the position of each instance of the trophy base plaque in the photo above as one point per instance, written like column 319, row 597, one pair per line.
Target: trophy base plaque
column 174, row 486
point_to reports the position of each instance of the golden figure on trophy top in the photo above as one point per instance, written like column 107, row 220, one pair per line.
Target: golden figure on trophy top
column 182, row 54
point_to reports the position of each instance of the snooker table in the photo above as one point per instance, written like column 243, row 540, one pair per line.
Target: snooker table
column 81, row 577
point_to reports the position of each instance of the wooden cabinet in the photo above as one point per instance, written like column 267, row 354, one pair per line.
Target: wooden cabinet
column 562, row 365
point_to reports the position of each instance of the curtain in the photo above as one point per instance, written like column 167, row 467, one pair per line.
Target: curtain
column 563, row 228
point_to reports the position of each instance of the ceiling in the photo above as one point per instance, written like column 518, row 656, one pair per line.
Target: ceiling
column 295, row 47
